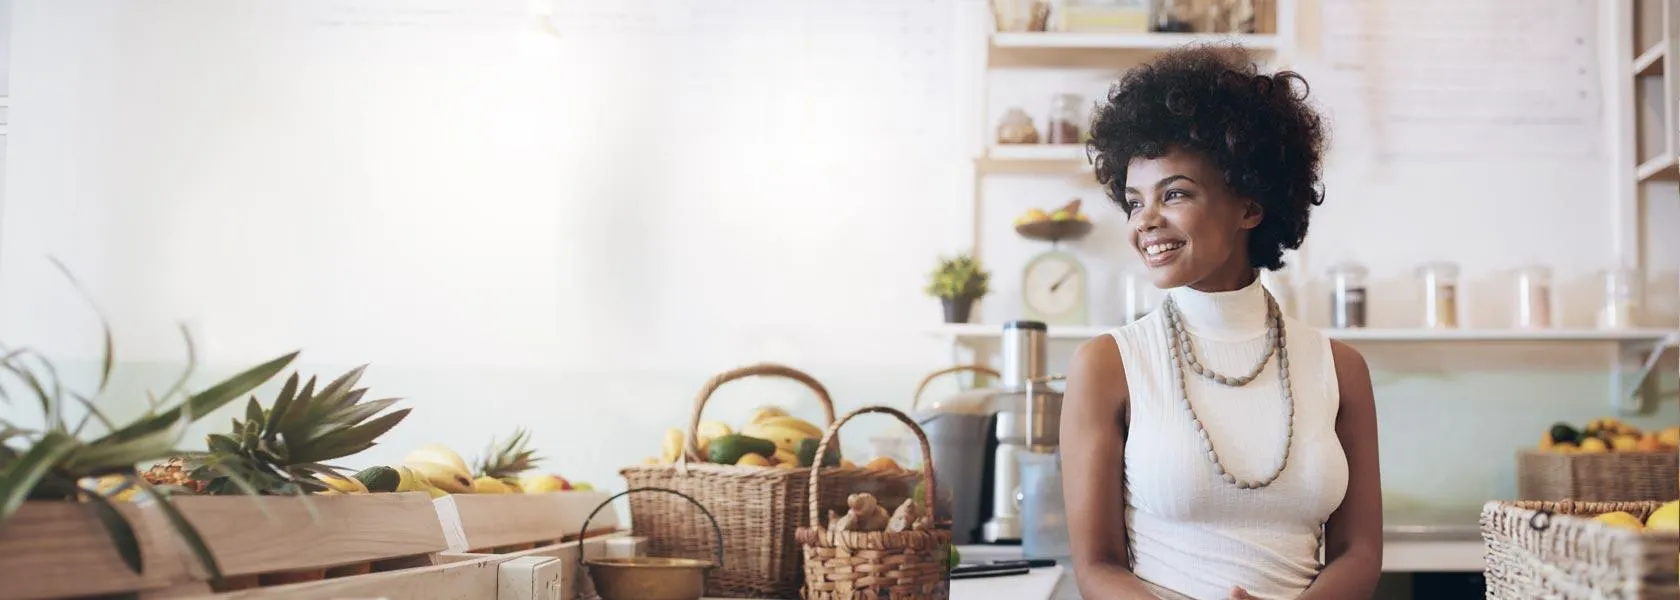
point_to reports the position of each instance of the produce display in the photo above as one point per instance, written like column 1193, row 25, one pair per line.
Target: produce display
column 1665, row 518
column 1066, row 212
column 770, row 438
column 1607, row 435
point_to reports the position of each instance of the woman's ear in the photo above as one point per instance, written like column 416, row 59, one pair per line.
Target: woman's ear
column 1252, row 214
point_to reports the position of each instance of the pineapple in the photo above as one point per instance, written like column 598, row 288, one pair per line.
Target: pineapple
column 173, row 473
column 281, row 450
column 506, row 463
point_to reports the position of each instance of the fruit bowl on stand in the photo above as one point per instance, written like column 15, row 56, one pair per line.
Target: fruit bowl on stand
column 1064, row 223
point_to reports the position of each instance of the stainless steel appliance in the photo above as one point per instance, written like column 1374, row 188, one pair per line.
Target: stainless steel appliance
column 1025, row 351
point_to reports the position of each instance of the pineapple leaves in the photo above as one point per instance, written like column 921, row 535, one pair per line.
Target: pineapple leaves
column 103, row 454
column 348, row 441
column 283, row 402
column 342, row 385
column 20, row 476
column 221, row 443
column 206, row 401
column 121, row 532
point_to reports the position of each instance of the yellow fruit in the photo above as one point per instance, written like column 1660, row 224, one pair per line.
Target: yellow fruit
column 672, row 446
column 846, row 463
column 794, row 423
column 786, row 458
column 709, row 430
column 752, row 460
column 1669, row 437
column 1034, row 214
column 765, row 412
column 1546, row 442
column 544, row 483
column 882, row 464
column 784, row 437
column 1624, row 443
column 1594, row 445
column 106, row 483
column 407, row 481
column 1061, row 215
column 1083, row 217
column 1565, row 448
column 343, row 485
column 1665, row 518
column 1620, row 519
column 652, row 460
column 490, row 485
column 1648, row 443
column 442, row 476
column 440, row 454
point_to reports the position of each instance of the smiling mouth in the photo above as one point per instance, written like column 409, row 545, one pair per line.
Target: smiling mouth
column 1161, row 248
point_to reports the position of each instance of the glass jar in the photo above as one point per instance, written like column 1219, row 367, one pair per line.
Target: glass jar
column 1347, row 295
column 1440, row 295
column 1534, row 298
column 1064, row 125
column 1016, row 128
column 1621, row 293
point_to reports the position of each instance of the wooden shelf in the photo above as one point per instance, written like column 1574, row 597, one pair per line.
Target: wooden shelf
column 1105, row 50
column 1661, row 168
column 1034, row 158
column 1650, row 62
column 980, row 332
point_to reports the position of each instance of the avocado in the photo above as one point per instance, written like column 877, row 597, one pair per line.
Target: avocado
column 379, row 479
column 728, row 449
column 1562, row 432
column 808, row 453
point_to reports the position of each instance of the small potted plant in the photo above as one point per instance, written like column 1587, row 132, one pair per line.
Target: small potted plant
column 958, row 282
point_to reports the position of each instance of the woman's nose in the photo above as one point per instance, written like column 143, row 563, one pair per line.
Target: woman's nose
column 1147, row 217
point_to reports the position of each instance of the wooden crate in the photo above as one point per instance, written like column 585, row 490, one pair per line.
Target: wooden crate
column 486, row 523
column 60, row 549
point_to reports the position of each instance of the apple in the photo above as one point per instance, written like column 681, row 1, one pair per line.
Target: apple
column 541, row 484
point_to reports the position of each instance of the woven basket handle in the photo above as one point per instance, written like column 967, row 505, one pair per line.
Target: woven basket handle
column 981, row 369
column 692, row 451
column 834, row 430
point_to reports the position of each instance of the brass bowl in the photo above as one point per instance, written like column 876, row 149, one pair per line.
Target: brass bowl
column 648, row 578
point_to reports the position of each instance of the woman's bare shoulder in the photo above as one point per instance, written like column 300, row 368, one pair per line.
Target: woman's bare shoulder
column 1097, row 368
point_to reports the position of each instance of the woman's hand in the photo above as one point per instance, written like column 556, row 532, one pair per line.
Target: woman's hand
column 1237, row 593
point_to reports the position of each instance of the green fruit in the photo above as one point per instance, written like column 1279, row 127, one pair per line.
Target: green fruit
column 1562, row 432
column 379, row 479
column 728, row 449
column 808, row 453
column 955, row 556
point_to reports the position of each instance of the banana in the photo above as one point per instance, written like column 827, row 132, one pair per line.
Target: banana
column 444, row 477
column 794, row 423
column 710, row 430
column 490, row 485
column 765, row 412
column 437, row 453
column 786, row 458
column 672, row 447
column 785, row 438
column 341, row 484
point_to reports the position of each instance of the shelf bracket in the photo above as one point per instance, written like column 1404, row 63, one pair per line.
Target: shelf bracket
column 1632, row 367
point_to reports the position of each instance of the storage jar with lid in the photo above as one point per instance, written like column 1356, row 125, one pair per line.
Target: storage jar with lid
column 1534, row 298
column 1016, row 128
column 1066, row 122
column 1347, row 295
column 1440, row 294
column 1621, row 298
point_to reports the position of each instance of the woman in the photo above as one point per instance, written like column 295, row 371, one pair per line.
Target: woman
column 1211, row 447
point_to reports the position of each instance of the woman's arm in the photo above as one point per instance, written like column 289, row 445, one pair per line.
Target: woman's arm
column 1353, row 544
column 1093, row 458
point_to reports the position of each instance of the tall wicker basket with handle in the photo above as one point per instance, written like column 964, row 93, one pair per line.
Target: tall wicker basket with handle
column 758, row 508
column 877, row 565
column 1556, row 550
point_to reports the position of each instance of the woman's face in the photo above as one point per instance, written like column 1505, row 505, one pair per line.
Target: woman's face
column 1188, row 228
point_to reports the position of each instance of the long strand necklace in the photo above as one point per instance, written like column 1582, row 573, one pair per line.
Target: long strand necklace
column 1183, row 355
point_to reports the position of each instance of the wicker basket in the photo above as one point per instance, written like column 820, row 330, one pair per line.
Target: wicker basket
column 876, row 565
column 916, row 400
column 757, row 507
column 1606, row 477
column 1553, row 550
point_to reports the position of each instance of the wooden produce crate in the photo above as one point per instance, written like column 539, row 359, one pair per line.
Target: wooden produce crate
column 331, row 536
column 569, row 554
column 1556, row 550
column 1603, row 477
column 501, row 523
column 61, row 549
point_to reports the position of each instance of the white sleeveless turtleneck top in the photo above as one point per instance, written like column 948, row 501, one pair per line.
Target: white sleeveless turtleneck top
column 1189, row 531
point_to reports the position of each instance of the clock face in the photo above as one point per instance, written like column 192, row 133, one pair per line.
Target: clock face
column 1054, row 288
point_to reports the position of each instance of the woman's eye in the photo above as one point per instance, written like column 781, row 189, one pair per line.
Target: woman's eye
column 1131, row 205
column 1175, row 194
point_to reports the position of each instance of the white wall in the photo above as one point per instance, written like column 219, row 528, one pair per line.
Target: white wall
column 572, row 235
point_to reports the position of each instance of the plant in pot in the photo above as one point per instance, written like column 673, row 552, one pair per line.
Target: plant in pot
column 75, row 463
column 958, row 282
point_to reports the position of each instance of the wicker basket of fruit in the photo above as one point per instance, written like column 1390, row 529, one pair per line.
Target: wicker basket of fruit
column 1607, row 460
column 754, row 480
column 1567, row 550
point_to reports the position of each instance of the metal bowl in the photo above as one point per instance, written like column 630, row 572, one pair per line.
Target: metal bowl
column 648, row 578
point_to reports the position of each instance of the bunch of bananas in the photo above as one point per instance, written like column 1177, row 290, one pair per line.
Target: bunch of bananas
column 770, row 438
